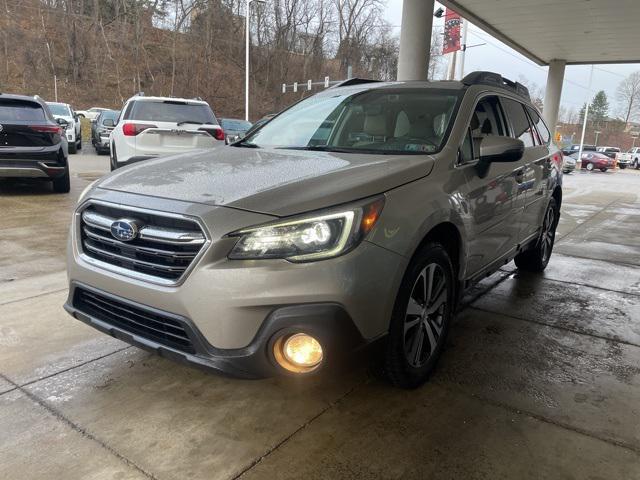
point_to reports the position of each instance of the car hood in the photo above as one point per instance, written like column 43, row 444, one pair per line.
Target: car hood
column 272, row 181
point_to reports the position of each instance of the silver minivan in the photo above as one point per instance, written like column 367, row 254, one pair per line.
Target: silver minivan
column 357, row 216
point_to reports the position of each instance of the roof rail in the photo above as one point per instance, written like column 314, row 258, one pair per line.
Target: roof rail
column 355, row 81
column 497, row 80
column 139, row 94
column 197, row 98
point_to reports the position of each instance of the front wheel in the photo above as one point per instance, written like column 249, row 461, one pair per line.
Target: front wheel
column 636, row 164
column 536, row 258
column 72, row 148
column 622, row 167
column 421, row 317
column 603, row 170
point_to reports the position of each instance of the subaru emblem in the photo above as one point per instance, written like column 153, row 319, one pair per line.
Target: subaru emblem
column 124, row 230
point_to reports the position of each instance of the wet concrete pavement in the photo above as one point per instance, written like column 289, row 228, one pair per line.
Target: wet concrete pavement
column 540, row 378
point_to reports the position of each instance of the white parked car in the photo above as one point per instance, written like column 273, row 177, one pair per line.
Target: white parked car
column 92, row 113
column 151, row 127
column 73, row 131
column 630, row 158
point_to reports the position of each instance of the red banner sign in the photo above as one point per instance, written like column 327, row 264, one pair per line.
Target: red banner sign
column 452, row 23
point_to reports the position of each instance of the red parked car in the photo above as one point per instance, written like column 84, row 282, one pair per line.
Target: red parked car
column 595, row 160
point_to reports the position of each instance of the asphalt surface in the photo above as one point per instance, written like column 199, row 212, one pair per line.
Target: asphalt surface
column 540, row 378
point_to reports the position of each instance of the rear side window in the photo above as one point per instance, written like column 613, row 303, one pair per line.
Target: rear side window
column 540, row 128
column 20, row 111
column 171, row 111
column 521, row 128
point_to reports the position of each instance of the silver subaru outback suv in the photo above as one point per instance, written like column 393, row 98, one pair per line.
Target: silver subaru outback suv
column 357, row 216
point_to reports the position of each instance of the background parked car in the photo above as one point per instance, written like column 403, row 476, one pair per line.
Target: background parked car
column 631, row 157
column 92, row 113
column 595, row 160
column 150, row 127
column 612, row 152
column 33, row 141
column 576, row 148
column 234, row 129
column 73, row 132
column 568, row 164
column 101, row 128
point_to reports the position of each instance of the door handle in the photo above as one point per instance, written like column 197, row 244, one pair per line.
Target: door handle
column 519, row 175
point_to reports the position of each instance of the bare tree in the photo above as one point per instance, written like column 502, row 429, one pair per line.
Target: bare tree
column 628, row 96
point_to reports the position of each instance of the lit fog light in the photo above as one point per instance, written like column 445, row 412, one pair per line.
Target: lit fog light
column 298, row 353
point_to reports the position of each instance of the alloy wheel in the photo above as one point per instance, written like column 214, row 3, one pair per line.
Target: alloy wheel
column 424, row 317
column 548, row 234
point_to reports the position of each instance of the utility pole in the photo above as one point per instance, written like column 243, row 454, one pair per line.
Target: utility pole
column 246, row 57
column 55, row 87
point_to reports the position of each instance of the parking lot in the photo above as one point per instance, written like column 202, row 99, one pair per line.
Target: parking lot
column 540, row 378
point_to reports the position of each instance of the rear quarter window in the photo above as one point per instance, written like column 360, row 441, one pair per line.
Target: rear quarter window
column 21, row 111
column 540, row 128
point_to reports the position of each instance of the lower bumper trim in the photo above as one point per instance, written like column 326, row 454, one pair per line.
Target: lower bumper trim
column 327, row 322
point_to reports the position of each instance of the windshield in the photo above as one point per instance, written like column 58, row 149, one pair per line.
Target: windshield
column 59, row 109
column 405, row 121
column 231, row 124
column 172, row 111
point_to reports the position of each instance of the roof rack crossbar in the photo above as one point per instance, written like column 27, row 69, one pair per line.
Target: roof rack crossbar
column 497, row 80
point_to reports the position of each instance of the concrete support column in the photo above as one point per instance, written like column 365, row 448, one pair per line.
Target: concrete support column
column 415, row 39
column 553, row 93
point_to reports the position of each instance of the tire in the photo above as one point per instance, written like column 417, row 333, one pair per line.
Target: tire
column 622, row 167
column 603, row 170
column 416, row 337
column 590, row 166
column 113, row 159
column 62, row 184
column 636, row 164
column 72, row 148
column 536, row 258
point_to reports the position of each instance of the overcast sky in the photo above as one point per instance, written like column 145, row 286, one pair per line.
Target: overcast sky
column 497, row 57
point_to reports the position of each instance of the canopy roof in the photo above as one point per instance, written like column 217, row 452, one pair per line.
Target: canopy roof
column 578, row 31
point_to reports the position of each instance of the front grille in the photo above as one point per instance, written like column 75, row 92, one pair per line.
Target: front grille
column 145, row 323
column 163, row 248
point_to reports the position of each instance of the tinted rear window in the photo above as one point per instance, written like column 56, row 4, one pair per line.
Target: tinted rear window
column 519, row 121
column 20, row 111
column 169, row 111
column 232, row 124
column 112, row 114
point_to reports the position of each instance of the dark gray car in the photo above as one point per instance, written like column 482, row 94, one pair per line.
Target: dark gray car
column 234, row 129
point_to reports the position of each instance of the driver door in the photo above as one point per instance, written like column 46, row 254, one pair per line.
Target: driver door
column 495, row 202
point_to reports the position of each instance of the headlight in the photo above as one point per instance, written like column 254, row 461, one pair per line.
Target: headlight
column 310, row 237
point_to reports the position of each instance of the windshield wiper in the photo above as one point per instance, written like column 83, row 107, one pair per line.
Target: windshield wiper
column 190, row 121
column 245, row 144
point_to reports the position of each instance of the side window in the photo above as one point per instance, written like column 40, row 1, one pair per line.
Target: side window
column 127, row 111
column 487, row 120
column 540, row 128
column 521, row 128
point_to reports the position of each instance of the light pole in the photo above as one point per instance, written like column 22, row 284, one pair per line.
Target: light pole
column 246, row 58
column 597, row 132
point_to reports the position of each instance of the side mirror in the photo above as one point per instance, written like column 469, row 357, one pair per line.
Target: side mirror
column 108, row 122
column 62, row 122
column 498, row 149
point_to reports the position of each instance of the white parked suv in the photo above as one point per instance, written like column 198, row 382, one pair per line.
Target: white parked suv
column 151, row 127
column 73, row 130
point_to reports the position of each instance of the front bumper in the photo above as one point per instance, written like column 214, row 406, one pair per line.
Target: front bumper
column 236, row 306
column 329, row 323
